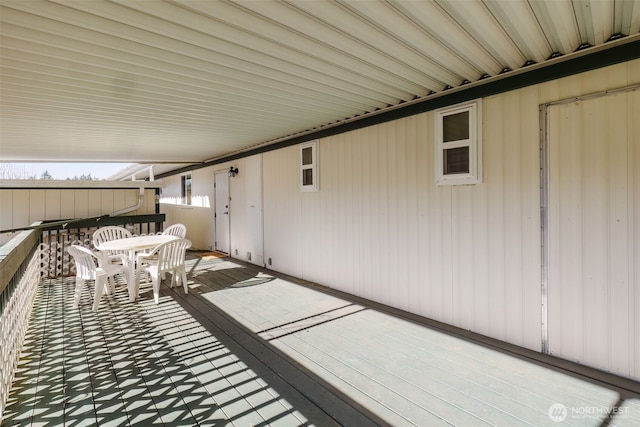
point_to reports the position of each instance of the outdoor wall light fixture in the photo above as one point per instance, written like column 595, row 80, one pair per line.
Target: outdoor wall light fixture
column 233, row 171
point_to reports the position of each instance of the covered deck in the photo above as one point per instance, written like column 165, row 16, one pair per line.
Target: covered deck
column 249, row 347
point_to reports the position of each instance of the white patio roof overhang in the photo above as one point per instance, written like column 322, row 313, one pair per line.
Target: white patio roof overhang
column 178, row 83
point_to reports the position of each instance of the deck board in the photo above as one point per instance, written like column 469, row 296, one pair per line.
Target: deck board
column 248, row 347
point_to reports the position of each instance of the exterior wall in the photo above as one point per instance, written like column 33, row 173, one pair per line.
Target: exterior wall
column 22, row 207
column 245, row 207
column 594, row 228
column 199, row 216
column 379, row 228
column 245, row 191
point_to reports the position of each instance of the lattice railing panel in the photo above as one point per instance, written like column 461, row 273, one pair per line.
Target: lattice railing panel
column 55, row 261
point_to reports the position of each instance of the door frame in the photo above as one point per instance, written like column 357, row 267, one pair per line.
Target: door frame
column 544, row 221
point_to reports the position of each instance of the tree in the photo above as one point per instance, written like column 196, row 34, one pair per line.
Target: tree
column 83, row 177
column 14, row 171
column 46, row 175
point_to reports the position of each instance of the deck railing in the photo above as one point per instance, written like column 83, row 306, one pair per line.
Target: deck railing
column 57, row 236
column 19, row 277
column 39, row 252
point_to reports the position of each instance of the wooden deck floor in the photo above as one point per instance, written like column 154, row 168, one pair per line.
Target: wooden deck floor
column 250, row 348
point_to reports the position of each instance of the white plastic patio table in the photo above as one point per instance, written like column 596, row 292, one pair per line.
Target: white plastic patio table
column 133, row 245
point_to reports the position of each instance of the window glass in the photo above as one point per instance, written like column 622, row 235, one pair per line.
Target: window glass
column 186, row 189
column 307, row 156
column 456, row 160
column 307, row 177
column 455, row 127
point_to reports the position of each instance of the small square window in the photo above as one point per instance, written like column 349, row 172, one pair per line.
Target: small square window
column 309, row 166
column 458, row 141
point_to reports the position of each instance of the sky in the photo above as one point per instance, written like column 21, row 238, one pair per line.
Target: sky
column 66, row 170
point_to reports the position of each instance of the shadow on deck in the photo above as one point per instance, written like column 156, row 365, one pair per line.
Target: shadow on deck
column 248, row 347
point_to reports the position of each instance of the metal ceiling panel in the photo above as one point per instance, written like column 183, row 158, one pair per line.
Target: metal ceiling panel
column 191, row 80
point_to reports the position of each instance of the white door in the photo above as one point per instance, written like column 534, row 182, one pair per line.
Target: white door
column 221, row 180
column 593, row 232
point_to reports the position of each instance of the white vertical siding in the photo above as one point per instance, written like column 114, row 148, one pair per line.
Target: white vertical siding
column 245, row 207
column 120, row 200
column 246, row 210
column 36, row 205
column 67, row 204
column 95, row 204
column 52, row 205
column 201, row 228
column 22, row 207
column 107, row 200
column 283, row 228
column 368, row 230
column 170, row 200
column 81, row 203
column 6, row 219
column 198, row 217
column 19, row 209
column 592, row 279
column 508, row 265
column 380, row 228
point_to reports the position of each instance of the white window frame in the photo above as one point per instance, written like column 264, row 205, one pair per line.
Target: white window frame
column 186, row 200
column 313, row 166
column 474, row 142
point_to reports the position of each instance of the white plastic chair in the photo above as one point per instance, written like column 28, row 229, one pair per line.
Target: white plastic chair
column 170, row 259
column 178, row 230
column 106, row 234
column 86, row 269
